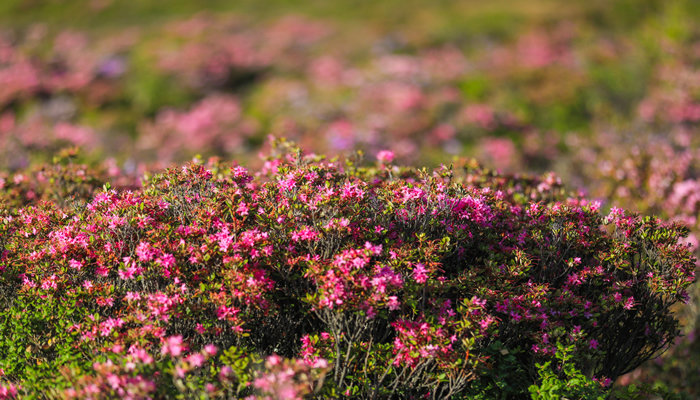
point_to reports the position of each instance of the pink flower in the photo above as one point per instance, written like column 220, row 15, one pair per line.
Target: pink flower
column 615, row 215
column 173, row 346
column 242, row 209
column 227, row 312
column 351, row 191
column 320, row 363
column 127, row 273
column 8, row 392
column 144, row 251
column 75, row 264
column 484, row 323
column 593, row 344
column 132, row 296
column 196, row 360
column 304, row 233
column 385, row 156
column 393, row 303
column 210, row 349
column 420, row 273
column 49, row 283
column 274, row 359
column 166, row 260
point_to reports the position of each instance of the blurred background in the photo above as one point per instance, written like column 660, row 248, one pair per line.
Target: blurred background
column 605, row 93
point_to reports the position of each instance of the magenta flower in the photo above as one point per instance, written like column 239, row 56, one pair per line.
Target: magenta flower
column 304, row 234
column 420, row 274
column 393, row 303
column 132, row 296
column 166, row 260
column 352, row 191
column 8, row 392
column 49, row 283
column 75, row 264
column 144, row 252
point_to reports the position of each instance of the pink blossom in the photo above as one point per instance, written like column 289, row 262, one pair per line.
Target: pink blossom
column 128, row 273
column 132, row 296
column 49, row 283
column 144, row 252
column 8, row 391
column 75, row 264
column 242, row 209
column 226, row 312
column 210, row 349
column 385, row 156
column 173, row 346
column 352, row 191
column 304, row 234
column 196, row 360
column 484, row 323
column 420, row 274
column 615, row 215
column 166, row 260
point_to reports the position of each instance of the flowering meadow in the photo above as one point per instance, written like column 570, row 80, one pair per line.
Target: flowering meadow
column 394, row 200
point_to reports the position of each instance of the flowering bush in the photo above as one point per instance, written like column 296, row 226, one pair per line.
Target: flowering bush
column 379, row 281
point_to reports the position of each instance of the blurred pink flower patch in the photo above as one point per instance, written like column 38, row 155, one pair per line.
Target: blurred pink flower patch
column 326, row 70
column 213, row 123
column 480, row 114
column 340, row 135
column 75, row 134
column 501, row 151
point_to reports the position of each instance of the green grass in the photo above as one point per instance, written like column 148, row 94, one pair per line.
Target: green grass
column 436, row 20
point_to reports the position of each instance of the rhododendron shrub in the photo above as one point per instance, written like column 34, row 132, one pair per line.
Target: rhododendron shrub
column 366, row 282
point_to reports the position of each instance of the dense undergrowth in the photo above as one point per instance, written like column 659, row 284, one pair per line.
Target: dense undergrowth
column 331, row 279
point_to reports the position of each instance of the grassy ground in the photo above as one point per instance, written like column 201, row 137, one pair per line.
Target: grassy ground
column 435, row 20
